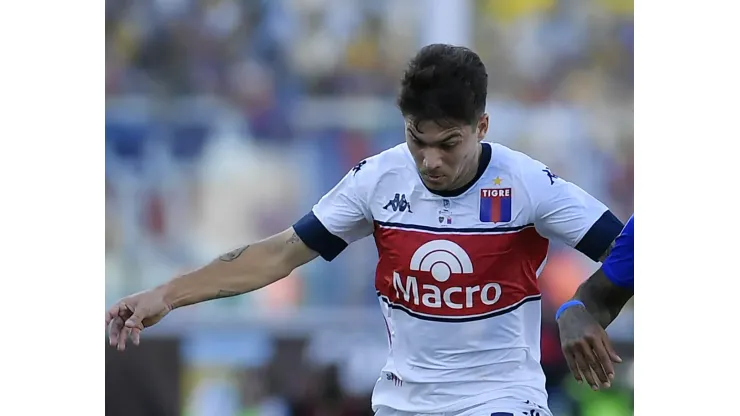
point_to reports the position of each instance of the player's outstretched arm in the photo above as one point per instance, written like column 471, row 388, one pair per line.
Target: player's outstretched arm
column 240, row 271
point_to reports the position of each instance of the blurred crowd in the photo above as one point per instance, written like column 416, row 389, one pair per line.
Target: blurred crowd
column 227, row 119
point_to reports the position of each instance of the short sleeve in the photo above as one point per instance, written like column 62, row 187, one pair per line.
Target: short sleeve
column 619, row 266
column 564, row 212
column 340, row 217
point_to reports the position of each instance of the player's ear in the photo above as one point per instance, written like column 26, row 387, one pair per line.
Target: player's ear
column 482, row 126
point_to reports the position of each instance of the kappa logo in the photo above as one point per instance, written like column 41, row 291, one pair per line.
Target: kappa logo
column 440, row 295
column 550, row 175
column 358, row 167
column 399, row 203
column 394, row 378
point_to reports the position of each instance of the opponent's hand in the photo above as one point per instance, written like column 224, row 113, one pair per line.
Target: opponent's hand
column 130, row 315
column 587, row 348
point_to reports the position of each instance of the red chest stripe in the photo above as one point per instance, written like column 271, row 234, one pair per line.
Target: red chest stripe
column 457, row 275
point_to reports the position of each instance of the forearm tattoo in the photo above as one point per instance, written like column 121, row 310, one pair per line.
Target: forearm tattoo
column 233, row 255
column 294, row 239
column 229, row 257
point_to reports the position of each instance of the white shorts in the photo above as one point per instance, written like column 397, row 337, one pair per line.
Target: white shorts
column 507, row 407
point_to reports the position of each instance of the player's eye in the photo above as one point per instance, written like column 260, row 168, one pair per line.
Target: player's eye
column 448, row 146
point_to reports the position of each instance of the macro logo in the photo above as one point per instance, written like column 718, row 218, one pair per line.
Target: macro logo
column 441, row 258
column 441, row 282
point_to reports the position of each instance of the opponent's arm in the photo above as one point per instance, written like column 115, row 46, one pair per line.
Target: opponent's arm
column 596, row 304
column 240, row 271
column 602, row 299
column 605, row 293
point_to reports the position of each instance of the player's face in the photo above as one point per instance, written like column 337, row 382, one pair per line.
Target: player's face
column 446, row 155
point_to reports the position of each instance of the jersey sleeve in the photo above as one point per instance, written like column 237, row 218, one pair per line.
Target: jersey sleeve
column 619, row 266
column 564, row 212
column 341, row 217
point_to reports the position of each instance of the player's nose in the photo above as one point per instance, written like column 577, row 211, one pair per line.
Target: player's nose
column 432, row 160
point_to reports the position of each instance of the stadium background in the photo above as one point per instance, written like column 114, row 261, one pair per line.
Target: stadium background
column 227, row 119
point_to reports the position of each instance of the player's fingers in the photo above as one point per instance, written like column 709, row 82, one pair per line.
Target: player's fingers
column 110, row 314
column 135, row 336
column 123, row 337
column 595, row 365
column 114, row 330
column 570, row 359
column 582, row 372
column 595, row 377
column 135, row 320
column 606, row 363
column 583, row 365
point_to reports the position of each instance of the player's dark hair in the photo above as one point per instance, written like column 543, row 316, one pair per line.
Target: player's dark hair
column 444, row 83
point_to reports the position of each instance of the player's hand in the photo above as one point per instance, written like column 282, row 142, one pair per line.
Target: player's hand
column 130, row 315
column 587, row 348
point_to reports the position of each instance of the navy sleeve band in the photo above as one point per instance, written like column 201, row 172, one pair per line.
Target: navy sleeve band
column 314, row 235
column 600, row 236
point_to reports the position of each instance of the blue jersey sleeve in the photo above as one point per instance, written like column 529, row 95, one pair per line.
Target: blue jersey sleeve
column 619, row 266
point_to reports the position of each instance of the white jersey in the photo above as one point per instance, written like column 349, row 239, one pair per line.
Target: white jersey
column 457, row 275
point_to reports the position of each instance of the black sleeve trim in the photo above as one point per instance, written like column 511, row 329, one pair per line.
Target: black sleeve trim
column 600, row 236
column 314, row 235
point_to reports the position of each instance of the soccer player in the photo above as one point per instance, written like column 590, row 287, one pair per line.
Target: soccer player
column 462, row 229
column 597, row 302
